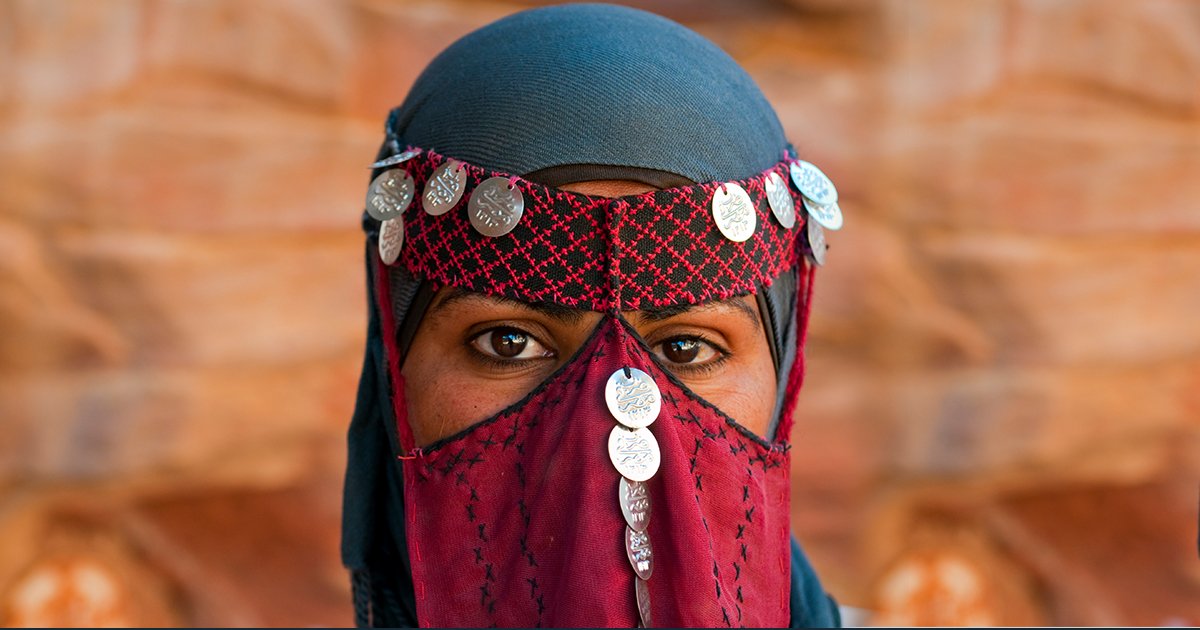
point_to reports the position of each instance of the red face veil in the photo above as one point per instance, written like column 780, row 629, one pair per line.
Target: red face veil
column 525, row 519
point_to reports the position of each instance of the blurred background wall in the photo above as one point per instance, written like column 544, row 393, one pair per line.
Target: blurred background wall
column 1002, row 418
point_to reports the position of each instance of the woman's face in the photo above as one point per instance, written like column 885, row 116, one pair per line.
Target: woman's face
column 474, row 355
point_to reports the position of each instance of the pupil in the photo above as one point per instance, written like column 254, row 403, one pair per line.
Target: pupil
column 508, row 344
column 682, row 350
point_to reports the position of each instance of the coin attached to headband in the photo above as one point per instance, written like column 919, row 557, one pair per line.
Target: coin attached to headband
column 389, row 194
column 827, row 214
column 812, row 183
column 734, row 212
column 816, row 242
column 397, row 159
column 444, row 188
column 495, row 207
column 783, row 206
column 391, row 239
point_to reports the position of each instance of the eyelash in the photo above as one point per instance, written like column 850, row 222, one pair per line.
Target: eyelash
column 699, row 368
column 499, row 364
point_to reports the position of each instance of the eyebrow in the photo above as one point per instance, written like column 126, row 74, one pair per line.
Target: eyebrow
column 660, row 313
column 557, row 312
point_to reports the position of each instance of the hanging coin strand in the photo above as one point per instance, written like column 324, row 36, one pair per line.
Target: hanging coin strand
column 819, row 197
column 634, row 400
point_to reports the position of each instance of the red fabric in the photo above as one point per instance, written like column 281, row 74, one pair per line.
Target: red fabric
column 660, row 248
column 516, row 521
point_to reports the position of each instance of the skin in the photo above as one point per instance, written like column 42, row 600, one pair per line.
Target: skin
column 717, row 349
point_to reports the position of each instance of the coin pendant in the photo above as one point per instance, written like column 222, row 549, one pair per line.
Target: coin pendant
column 634, row 453
column 642, row 588
column 828, row 215
column 389, row 194
column 734, row 212
column 635, row 503
column 783, row 206
column 495, row 207
column 391, row 239
column 637, row 547
column 444, row 188
column 815, row 251
column 812, row 183
column 634, row 400
column 397, row 159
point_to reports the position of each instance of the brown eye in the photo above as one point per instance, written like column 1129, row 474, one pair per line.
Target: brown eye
column 681, row 350
column 508, row 343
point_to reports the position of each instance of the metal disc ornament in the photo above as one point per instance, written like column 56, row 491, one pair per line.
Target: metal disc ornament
column 391, row 239
column 495, row 207
column 827, row 214
column 444, row 188
column 783, row 206
column 634, row 452
column 734, row 212
column 812, row 183
column 641, row 556
column 634, row 497
column 397, row 159
column 816, row 243
column 389, row 194
column 633, row 398
column 642, row 588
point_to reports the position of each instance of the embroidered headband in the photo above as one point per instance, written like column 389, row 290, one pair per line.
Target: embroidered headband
column 489, row 232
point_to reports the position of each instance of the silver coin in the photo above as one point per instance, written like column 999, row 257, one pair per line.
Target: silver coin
column 391, row 239
column 815, row 251
column 734, row 212
column 444, row 188
column 389, row 194
column 634, row 400
column 495, row 207
column 827, row 214
column 642, row 588
column 634, row 452
column 783, row 206
column 634, row 497
column 397, row 159
column 641, row 556
column 812, row 183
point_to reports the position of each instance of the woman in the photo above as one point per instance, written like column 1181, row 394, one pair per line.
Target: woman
column 585, row 258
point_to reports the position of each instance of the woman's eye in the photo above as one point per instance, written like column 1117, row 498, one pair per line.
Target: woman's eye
column 684, row 350
column 509, row 343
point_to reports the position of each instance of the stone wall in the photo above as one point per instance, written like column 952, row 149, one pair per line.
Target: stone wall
column 1012, row 304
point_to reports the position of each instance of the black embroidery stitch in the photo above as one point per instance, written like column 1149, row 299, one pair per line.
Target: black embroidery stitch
column 470, row 513
column 478, row 555
column 750, row 514
column 477, row 459
column 481, row 534
column 532, row 586
column 741, row 530
column 744, row 552
column 461, row 477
